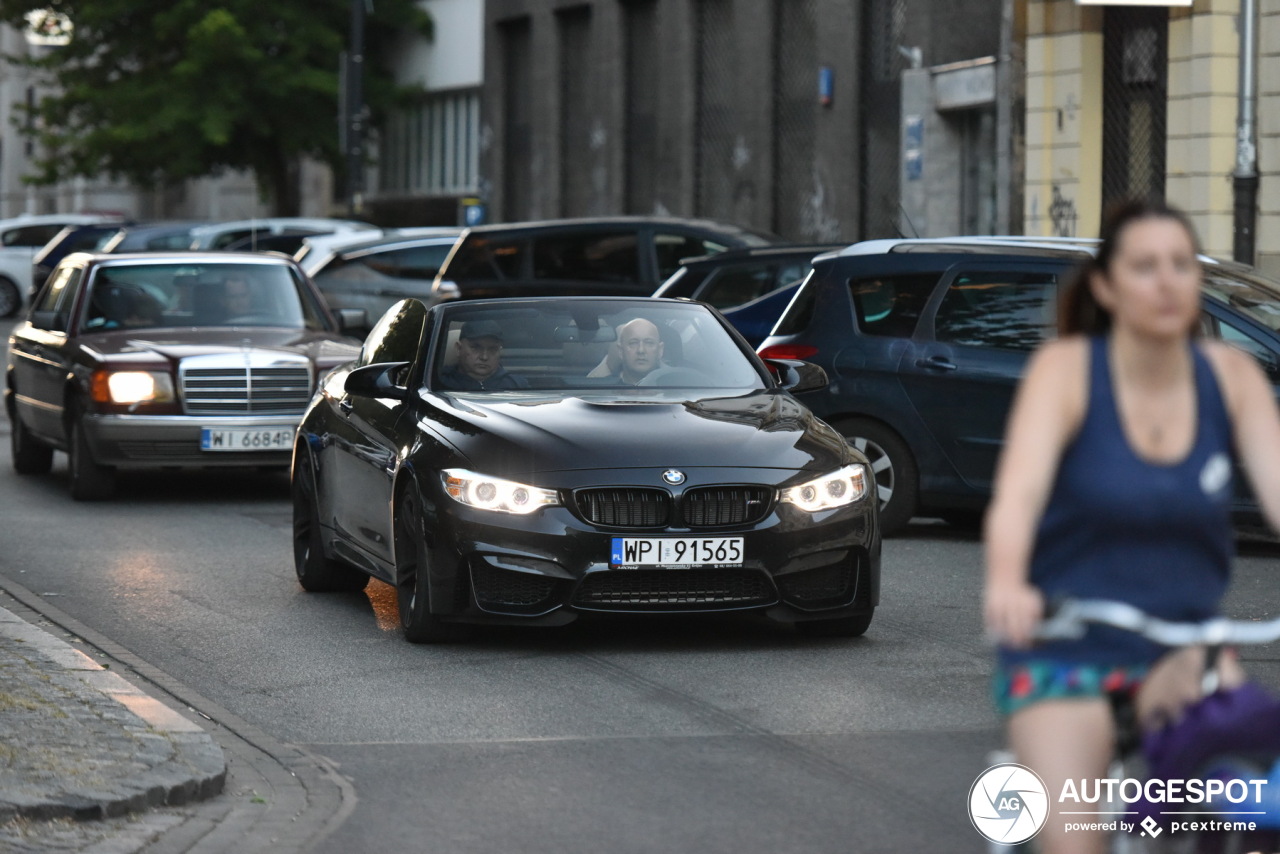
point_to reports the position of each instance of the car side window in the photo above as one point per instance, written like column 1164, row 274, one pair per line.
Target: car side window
column 484, row 258
column 56, row 295
column 731, row 286
column 799, row 314
column 1004, row 311
column 228, row 237
column 891, row 305
column 671, row 249
column 1228, row 334
column 411, row 262
column 599, row 256
column 33, row 236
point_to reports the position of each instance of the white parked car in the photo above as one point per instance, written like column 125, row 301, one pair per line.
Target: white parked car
column 20, row 239
column 222, row 234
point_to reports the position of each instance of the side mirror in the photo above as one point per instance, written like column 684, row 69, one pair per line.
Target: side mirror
column 353, row 322
column 796, row 376
column 384, row 379
column 54, row 321
column 443, row 289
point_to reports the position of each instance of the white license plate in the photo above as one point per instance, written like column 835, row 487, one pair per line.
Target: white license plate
column 676, row 551
column 244, row 439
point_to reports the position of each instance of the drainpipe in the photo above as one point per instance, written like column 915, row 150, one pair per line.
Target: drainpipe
column 355, row 111
column 1245, row 177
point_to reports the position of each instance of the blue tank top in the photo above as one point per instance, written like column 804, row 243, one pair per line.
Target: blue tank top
column 1117, row 526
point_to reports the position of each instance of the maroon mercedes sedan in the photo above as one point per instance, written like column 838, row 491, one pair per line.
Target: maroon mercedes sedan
column 160, row 360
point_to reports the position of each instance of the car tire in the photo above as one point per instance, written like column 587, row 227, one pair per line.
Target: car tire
column 30, row 455
column 316, row 572
column 10, row 297
column 413, row 589
column 843, row 627
column 892, row 466
column 89, row 481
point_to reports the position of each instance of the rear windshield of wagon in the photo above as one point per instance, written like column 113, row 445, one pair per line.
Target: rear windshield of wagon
column 1247, row 292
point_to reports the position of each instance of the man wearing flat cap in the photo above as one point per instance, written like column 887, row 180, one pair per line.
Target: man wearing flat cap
column 479, row 365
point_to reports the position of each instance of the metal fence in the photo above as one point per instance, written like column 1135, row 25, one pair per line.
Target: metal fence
column 517, row 141
column 577, row 190
column 880, row 116
column 719, row 155
column 1134, row 102
column 643, row 104
column 796, row 183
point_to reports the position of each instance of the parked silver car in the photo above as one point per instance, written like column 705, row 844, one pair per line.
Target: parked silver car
column 356, row 272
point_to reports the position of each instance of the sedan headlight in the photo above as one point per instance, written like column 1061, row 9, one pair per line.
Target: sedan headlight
column 837, row 489
column 494, row 493
column 132, row 387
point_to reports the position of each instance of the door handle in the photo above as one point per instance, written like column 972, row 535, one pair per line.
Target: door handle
column 937, row 363
column 345, row 405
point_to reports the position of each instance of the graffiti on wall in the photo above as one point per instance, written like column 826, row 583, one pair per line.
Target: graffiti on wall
column 1062, row 214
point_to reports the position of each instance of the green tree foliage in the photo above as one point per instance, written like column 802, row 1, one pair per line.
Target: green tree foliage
column 159, row 91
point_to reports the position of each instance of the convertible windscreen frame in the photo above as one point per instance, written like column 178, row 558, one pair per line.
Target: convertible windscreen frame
column 573, row 346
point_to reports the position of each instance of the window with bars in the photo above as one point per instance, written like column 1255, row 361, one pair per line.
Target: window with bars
column 433, row 149
column 1135, row 77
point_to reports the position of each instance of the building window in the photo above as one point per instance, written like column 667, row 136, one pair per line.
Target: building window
column 1134, row 102
column 433, row 149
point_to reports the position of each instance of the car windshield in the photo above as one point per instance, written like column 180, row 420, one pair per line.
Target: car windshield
column 607, row 345
column 198, row 295
column 1249, row 293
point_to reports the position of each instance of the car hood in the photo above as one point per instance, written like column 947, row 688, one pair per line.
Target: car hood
column 527, row 433
column 173, row 345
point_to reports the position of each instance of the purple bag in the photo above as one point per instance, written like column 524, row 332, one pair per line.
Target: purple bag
column 1227, row 735
column 1243, row 720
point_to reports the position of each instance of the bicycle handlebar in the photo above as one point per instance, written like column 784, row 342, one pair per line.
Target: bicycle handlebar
column 1069, row 618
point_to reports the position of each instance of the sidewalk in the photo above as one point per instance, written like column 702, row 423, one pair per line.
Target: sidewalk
column 78, row 741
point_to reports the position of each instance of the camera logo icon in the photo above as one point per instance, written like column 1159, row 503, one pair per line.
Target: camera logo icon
column 1008, row 803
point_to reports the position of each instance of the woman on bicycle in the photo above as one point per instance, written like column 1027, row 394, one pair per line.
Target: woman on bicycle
column 1116, row 483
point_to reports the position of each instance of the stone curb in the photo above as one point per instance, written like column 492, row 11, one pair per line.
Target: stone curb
column 178, row 762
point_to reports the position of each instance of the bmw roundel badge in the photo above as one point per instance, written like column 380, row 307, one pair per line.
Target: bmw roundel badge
column 673, row 477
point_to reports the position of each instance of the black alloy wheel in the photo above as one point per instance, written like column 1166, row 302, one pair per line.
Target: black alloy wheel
column 316, row 572
column 10, row 297
column 413, row 593
column 842, row 627
column 892, row 467
column 30, row 455
column 89, row 480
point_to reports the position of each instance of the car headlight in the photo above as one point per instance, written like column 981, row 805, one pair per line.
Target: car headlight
column 837, row 489
column 132, row 387
column 494, row 493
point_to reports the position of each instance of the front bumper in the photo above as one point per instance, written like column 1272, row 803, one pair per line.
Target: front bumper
column 156, row 441
column 546, row 567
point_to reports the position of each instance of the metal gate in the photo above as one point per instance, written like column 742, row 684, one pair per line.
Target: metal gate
column 1135, row 83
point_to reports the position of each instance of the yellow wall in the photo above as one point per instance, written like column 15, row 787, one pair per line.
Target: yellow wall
column 1064, row 119
column 1204, row 68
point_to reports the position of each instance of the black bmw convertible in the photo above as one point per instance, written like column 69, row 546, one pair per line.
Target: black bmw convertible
column 523, row 461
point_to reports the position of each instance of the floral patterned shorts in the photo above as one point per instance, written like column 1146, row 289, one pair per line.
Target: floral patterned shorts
column 1016, row 686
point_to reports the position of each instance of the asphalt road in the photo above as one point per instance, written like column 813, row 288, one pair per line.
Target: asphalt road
column 642, row 735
